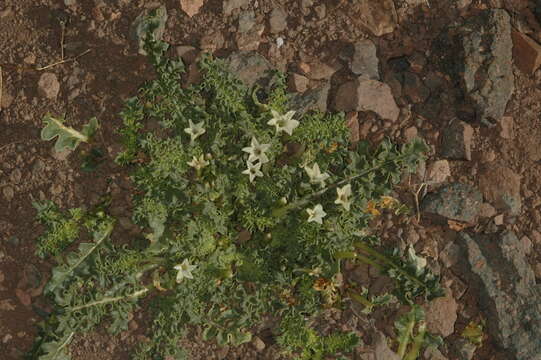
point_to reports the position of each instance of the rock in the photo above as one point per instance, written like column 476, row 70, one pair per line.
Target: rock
column 321, row 11
column 16, row 176
column 464, row 349
column 149, row 19
column 297, row 83
column 48, row 85
column 191, row 7
column 456, row 141
column 526, row 53
column 432, row 353
column 314, row 99
column 259, row 345
column 246, row 21
column 8, row 193
column 450, row 254
column 250, row 40
column 365, row 61
column 410, row 133
column 455, row 201
column 7, row 98
column 479, row 56
column 438, row 172
column 501, row 187
column 498, row 220
column 377, row 16
column 414, row 89
column 321, row 71
column 487, row 210
column 441, row 315
column 507, row 127
column 508, row 292
column 213, row 41
column 278, row 20
column 249, row 67
column 187, row 53
column 381, row 348
column 367, row 95
column 231, row 5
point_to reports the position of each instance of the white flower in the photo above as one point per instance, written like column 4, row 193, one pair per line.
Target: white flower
column 316, row 214
column 315, row 175
column 184, row 270
column 283, row 122
column 257, row 151
column 343, row 196
column 198, row 163
column 253, row 170
column 195, row 130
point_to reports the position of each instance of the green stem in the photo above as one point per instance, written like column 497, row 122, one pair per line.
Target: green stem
column 361, row 299
column 405, row 340
column 418, row 340
column 69, row 130
column 386, row 261
column 110, row 300
column 341, row 255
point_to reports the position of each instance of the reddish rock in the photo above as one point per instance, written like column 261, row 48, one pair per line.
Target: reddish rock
column 378, row 16
column 297, row 83
column 526, row 53
column 438, row 171
column 191, row 7
column 321, row 71
column 507, row 127
column 441, row 315
column 367, row 95
column 501, row 187
column 48, row 85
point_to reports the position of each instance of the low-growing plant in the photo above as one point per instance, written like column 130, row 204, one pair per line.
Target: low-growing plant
column 249, row 210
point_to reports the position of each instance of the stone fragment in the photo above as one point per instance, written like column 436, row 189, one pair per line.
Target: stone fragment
column 509, row 295
column 191, row 7
column 456, row 141
column 432, row 353
column 455, row 201
column 231, row 5
column 501, row 187
column 381, row 348
column 464, row 349
column 365, row 61
column 8, row 193
column 187, row 53
column 441, row 315
column 249, row 66
column 487, row 210
column 377, row 16
column 526, row 53
column 367, row 95
column 414, row 89
column 297, row 83
column 438, row 171
column 410, row 133
column 246, row 21
column 213, row 41
column 321, row 71
column 313, row 99
column 48, row 85
column 258, row 344
column 507, row 127
column 278, row 20
column 450, row 254
column 250, row 40
column 486, row 67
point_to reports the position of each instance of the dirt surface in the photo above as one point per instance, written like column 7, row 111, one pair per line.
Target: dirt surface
column 103, row 68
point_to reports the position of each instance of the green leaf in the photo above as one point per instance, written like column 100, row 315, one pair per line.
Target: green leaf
column 57, row 350
column 68, row 138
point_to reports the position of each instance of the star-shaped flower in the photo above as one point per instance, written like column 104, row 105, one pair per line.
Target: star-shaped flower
column 195, row 130
column 315, row 175
column 316, row 214
column 343, row 196
column 257, row 151
column 253, row 170
column 198, row 163
column 283, row 122
column 184, row 270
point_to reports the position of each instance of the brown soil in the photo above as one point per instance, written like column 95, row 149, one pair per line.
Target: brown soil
column 97, row 83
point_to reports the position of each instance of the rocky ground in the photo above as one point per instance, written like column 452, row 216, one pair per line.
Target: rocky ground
column 461, row 74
